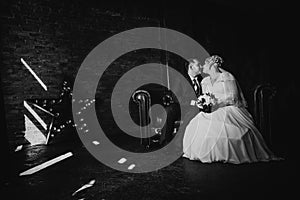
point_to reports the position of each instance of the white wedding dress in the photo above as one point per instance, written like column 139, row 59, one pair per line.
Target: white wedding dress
column 227, row 134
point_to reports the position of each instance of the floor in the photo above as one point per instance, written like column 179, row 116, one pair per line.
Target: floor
column 183, row 179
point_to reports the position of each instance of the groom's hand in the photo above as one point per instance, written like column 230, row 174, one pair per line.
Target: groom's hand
column 193, row 102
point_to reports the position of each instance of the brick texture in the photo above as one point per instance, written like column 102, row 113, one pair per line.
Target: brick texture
column 53, row 37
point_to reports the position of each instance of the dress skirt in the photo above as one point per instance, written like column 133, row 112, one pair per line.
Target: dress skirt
column 226, row 135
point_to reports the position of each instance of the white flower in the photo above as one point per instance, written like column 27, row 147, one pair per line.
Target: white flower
column 205, row 99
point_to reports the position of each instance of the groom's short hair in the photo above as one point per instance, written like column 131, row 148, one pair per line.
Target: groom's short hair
column 190, row 60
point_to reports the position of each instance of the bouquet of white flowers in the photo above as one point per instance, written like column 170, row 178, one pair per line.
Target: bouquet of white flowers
column 205, row 102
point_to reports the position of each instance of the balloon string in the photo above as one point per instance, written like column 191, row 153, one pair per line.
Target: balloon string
column 166, row 49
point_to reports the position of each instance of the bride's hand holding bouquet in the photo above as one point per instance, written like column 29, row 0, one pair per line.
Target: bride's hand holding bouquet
column 205, row 102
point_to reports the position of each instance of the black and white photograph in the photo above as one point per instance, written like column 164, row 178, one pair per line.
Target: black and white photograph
column 148, row 100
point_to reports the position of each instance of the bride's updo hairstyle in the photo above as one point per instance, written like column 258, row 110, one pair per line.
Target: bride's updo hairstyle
column 215, row 59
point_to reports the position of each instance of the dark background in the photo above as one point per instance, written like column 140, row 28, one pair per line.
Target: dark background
column 54, row 37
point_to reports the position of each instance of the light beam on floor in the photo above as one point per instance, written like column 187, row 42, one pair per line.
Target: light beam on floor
column 46, row 164
column 35, row 115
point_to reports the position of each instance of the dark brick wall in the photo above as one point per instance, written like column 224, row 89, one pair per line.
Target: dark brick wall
column 53, row 37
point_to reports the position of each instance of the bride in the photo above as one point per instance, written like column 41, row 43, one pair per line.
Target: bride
column 227, row 133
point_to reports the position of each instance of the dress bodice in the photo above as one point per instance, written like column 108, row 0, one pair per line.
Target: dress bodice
column 224, row 89
column 219, row 88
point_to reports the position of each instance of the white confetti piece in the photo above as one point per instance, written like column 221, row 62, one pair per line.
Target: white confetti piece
column 19, row 148
column 90, row 184
column 122, row 160
column 131, row 166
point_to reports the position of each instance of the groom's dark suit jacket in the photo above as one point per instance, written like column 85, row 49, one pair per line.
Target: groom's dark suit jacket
column 182, row 88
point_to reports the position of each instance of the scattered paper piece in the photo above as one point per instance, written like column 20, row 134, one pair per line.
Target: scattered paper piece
column 90, row 184
column 34, row 74
column 122, row 160
column 46, row 164
column 19, row 148
column 131, row 166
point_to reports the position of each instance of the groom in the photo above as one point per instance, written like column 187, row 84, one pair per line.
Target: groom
column 192, row 79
